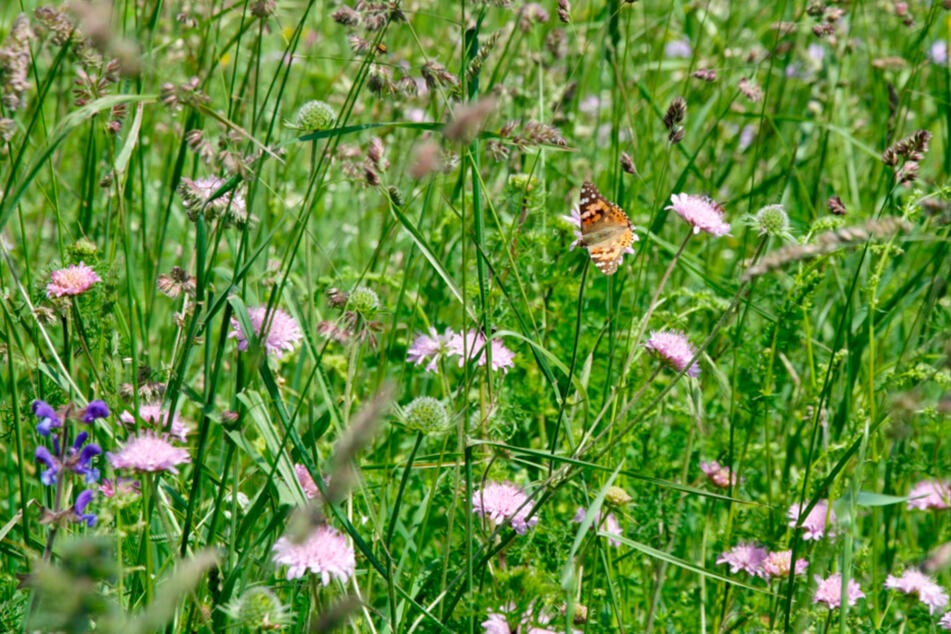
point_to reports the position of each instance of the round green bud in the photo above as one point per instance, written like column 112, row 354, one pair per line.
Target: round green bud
column 426, row 415
column 316, row 115
column 363, row 301
column 772, row 220
column 260, row 608
column 616, row 496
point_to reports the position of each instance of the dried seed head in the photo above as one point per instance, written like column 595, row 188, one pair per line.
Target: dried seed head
column 706, row 74
column 436, row 74
column 750, row 90
column 346, row 16
column 836, row 206
column 627, row 164
column 564, row 11
column 675, row 113
column 469, row 119
column 263, row 9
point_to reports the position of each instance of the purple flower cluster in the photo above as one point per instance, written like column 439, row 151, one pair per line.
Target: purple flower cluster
column 917, row 583
column 816, row 524
column 470, row 345
column 501, row 502
column 758, row 562
column 62, row 458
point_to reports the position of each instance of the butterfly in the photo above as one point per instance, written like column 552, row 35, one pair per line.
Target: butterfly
column 606, row 231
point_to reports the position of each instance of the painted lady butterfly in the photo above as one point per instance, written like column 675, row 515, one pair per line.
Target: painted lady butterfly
column 606, row 231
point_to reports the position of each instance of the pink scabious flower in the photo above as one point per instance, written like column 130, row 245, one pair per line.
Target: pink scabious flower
column 914, row 582
column 830, row 591
column 282, row 335
column 745, row 557
column 470, row 345
column 157, row 416
column 306, row 481
column 429, row 347
column 324, row 552
column 702, row 213
column 498, row 623
column 610, row 525
column 779, row 563
column 73, row 280
column 718, row 475
column 574, row 219
column 504, row 501
column 674, row 349
column 945, row 621
column 930, row 494
column 820, row 518
column 149, row 452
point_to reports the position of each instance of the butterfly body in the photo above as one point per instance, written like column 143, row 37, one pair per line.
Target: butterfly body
column 606, row 231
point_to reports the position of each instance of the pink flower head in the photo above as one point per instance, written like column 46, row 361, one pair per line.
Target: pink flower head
column 930, row 494
column 306, row 481
column 745, row 557
column 470, row 345
column 73, row 280
column 324, row 552
column 815, row 524
column 498, row 622
column 282, row 335
column 778, row 564
column 610, row 525
column 703, row 213
column 574, row 219
column 914, row 582
column 674, row 349
column 157, row 416
column 830, row 591
column 149, row 452
column 429, row 347
column 945, row 621
column 718, row 475
column 504, row 501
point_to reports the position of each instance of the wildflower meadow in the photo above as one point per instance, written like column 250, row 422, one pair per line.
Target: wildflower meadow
column 485, row 316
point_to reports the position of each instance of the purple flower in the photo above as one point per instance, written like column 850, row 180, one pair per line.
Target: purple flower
column 94, row 411
column 914, row 582
column 830, row 591
column 82, row 501
column 704, row 214
column 48, row 418
column 745, row 557
column 678, row 48
column 78, row 460
column 149, row 452
column 306, row 481
column 930, row 494
column 324, row 552
column 718, row 475
column 498, row 622
column 938, row 53
column 73, row 280
column 470, row 345
column 504, row 501
column 157, row 416
column 611, row 526
column 282, row 335
column 945, row 621
column 574, row 219
column 778, row 564
column 815, row 524
column 674, row 349
column 431, row 347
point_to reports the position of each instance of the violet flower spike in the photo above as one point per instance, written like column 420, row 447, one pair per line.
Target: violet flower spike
column 94, row 411
column 82, row 501
column 43, row 455
column 48, row 419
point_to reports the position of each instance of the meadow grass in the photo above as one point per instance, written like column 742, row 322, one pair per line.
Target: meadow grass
column 306, row 274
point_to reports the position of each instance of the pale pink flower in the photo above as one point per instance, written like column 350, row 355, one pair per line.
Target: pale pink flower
column 930, row 494
column 674, row 349
column 915, row 582
column 778, row 564
column 324, row 552
column 745, row 557
column 498, row 623
column 820, row 518
column 282, row 335
column 73, row 280
column 718, row 475
column 830, row 591
column 306, row 481
column 574, row 219
column 501, row 502
column 610, row 525
column 429, row 347
column 470, row 345
column 702, row 213
column 155, row 415
column 149, row 452
column 945, row 621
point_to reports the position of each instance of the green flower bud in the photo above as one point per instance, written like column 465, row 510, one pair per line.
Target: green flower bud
column 316, row 115
column 426, row 415
column 363, row 301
